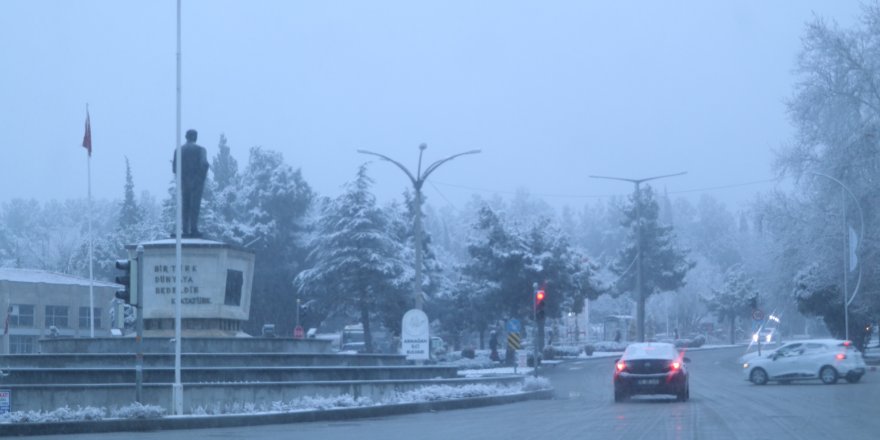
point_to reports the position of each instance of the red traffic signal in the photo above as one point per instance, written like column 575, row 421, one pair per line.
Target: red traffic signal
column 539, row 304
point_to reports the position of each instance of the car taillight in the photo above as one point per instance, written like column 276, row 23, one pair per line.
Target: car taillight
column 621, row 365
column 675, row 365
column 840, row 356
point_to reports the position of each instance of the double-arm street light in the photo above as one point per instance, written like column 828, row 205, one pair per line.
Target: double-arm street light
column 418, row 180
column 640, row 297
column 846, row 302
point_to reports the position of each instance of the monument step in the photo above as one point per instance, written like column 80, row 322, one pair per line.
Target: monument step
column 224, row 374
column 96, row 360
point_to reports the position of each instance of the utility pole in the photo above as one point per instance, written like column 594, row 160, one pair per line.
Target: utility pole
column 640, row 295
column 846, row 250
column 417, row 181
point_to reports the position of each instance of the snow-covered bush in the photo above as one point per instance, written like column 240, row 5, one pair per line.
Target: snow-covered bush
column 609, row 346
column 63, row 414
column 137, row 411
column 536, row 384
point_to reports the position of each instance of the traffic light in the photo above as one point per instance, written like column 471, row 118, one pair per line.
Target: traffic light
column 128, row 279
column 539, row 304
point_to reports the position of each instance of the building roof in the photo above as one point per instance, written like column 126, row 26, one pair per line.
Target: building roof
column 46, row 277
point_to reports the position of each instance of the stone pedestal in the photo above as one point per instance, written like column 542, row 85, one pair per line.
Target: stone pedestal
column 216, row 288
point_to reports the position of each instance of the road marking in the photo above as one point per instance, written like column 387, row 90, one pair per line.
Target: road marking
column 575, row 368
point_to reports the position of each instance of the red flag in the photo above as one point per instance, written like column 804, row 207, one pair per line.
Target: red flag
column 87, row 138
column 6, row 327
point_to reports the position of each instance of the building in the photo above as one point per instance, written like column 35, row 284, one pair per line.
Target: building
column 40, row 304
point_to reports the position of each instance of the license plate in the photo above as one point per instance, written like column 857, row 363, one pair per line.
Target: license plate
column 649, row 381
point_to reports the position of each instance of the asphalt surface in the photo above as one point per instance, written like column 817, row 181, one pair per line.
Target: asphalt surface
column 722, row 406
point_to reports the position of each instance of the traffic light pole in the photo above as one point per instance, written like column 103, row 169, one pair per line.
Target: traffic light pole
column 139, row 325
column 537, row 329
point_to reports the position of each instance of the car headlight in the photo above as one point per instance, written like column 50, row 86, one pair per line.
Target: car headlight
column 745, row 365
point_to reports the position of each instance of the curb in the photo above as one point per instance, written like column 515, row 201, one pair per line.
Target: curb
column 228, row 421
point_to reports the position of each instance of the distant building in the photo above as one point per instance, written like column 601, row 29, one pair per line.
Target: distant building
column 39, row 304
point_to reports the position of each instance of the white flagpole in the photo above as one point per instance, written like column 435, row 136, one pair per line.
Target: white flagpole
column 177, row 389
column 91, row 260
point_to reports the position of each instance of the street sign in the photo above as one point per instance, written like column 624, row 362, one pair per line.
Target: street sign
column 298, row 332
column 415, row 335
column 514, row 326
column 5, row 401
column 513, row 341
column 758, row 315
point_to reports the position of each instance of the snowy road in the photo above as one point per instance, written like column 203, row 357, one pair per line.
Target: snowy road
column 722, row 406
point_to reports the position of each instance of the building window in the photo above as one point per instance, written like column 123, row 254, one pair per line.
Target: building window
column 57, row 316
column 21, row 315
column 84, row 317
column 22, row 344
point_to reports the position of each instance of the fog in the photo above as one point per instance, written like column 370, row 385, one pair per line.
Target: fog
column 549, row 93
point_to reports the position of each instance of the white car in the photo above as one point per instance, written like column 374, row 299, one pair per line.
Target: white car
column 766, row 335
column 823, row 359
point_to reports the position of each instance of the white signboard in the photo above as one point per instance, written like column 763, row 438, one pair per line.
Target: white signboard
column 415, row 338
column 215, row 280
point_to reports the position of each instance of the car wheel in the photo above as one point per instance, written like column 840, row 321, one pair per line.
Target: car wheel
column 828, row 375
column 853, row 378
column 683, row 395
column 758, row 376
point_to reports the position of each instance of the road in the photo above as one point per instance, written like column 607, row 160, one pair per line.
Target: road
column 722, row 406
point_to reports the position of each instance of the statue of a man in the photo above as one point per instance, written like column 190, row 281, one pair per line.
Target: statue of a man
column 194, row 169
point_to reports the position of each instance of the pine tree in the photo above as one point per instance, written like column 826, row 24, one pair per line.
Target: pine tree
column 354, row 264
column 663, row 264
column 129, row 214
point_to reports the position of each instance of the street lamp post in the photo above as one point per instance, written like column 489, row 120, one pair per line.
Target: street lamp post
column 640, row 297
column 417, row 181
column 846, row 303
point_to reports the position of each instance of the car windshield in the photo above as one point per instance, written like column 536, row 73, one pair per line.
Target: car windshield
column 650, row 351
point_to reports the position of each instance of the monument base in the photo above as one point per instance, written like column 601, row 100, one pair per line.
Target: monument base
column 215, row 283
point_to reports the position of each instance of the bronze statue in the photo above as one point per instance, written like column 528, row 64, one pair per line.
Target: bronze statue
column 194, row 170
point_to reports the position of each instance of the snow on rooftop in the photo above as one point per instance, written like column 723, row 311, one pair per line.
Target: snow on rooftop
column 46, row 277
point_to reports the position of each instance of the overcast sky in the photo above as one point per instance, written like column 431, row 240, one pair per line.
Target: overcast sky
column 551, row 92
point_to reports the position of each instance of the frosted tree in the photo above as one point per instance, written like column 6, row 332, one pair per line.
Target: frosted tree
column 734, row 299
column 129, row 214
column 835, row 110
column 354, row 264
column 663, row 263
column 275, row 200
column 507, row 261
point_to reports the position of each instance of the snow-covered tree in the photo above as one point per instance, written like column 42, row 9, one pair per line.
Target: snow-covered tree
column 835, row 110
column 663, row 263
column 129, row 214
column 507, row 261
column 275, row 200
column 816, row 295
column 354, row 264
column 733, row 300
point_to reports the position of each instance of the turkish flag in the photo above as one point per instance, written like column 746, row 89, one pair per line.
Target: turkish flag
column 87, row 138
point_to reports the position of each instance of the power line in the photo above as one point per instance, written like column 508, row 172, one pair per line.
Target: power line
column 602, row 196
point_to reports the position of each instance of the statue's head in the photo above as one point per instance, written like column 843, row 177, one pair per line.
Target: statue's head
column 191, row 135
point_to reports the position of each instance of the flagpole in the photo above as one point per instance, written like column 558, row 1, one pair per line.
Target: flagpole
column 91, row 240
column 91, row 260
column 177, row 388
